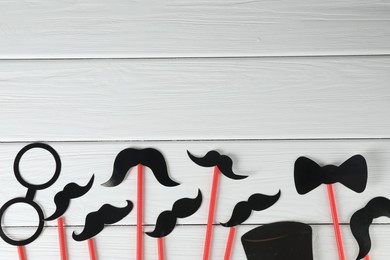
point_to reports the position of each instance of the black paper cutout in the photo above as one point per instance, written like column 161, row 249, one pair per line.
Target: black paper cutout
column 279, row 241
column 95, row 221
column 130, row 157
column 223, row 162
column 31, row 186
column 243, row 209
column 182, row 208
column 70, row 191
column 31, row 190
column 309, row 175
column 40, row 223
column 362, row 219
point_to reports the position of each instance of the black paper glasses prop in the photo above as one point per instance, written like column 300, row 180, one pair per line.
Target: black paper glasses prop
column 95, row 222
column 148, row 157
column 242, row 212
column 308, row 175
column 29, row 199
column 166, row 221
column 223, row 164
column 62, row 201
column 279, row 241
column 362, row 219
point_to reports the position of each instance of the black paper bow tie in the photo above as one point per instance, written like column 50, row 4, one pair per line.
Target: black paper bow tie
column 308, row 175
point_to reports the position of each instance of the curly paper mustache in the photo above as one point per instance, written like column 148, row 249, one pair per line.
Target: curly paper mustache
column 182, row 208
column 131, row 157
column 362, row 219
column 95, row 221
column 223, row 162
column 243, row 209
column 70, row 191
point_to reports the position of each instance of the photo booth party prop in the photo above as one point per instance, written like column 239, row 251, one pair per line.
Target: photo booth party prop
column 95, row 222
column 62, row 200
column 149, row 157
column 279, row 241
column 29, row 199
column 242, row 212
column 71, row 191
column 362, row 219
column 308, row 175
column 166, row 221
column 223, row 164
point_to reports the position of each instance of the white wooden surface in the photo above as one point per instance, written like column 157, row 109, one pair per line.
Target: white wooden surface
column 262, row 81
column 269, row 98
column 187, row 28
column 184, row 243
column 268, row 163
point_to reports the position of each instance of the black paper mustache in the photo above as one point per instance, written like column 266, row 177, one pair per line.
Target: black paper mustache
column 362, row 219
column 182, row 208
column 70, row 191
column 352, row 173
column 223, row 162
column 95, row 221
column 243, row 209
column 131, row 157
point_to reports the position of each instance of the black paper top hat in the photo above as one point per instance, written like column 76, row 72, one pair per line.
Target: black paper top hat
column 279, row 241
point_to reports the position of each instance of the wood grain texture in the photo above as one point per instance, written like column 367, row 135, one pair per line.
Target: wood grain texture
column 93, row 29
column 186, row 242
column 270, row 165
column 262, row 81
column 275, row 98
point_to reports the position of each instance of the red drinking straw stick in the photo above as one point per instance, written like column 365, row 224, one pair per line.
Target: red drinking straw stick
column 61, row 237
column 229, row 243
column 91, row 249
column 139, row 212
column 210, row 218
column 160, row 248
column 335, row 219
column 21, row 253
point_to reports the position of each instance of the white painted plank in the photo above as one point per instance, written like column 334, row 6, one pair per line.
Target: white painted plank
column 195, row 99
column 268, row 163
column 93, row 28
column 186, row 242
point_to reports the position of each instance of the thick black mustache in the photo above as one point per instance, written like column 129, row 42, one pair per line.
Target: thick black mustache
column 243, row 209
column 70, row 191
column 131, row 157
column 182, row 208
column 95, row 221
column 223, row 162
column 362, row 219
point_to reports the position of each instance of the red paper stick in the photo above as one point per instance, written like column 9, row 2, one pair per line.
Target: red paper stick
column 366, row 257
column 21, row 253
column 229, row 243
column 61, row 237
column 210, row 218
column 91, row 249
column 160, row 248
column 335, row 219
column 139, row 212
